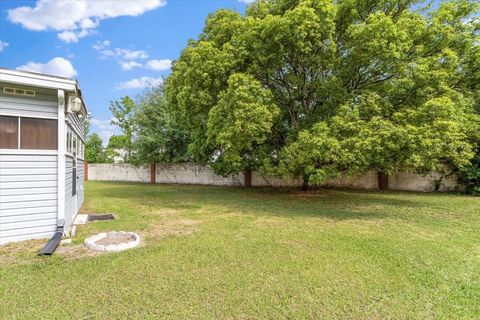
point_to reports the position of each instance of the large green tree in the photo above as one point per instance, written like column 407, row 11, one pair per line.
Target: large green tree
column 117, row 141
column 158, row 138
column 117, row 146
column 123, row 112
column 358, row 85
column 94, row 150
column 240, row 124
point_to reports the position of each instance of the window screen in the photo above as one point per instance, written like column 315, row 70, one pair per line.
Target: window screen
column 8, row 132
column 69, row 140
column 38, row 134
column 74, row 164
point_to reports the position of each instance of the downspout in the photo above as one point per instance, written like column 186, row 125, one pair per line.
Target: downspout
column 53, row 243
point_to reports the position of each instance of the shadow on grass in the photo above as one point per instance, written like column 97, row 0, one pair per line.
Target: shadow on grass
column 323, row 203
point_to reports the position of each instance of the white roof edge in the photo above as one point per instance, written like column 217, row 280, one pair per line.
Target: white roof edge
column 43, row 83
column 40, row 80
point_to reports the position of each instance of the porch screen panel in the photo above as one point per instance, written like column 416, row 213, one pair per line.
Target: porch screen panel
column 40, row 134
column 8, row 132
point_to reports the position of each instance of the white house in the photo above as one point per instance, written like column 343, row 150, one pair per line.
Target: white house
column 41, row 155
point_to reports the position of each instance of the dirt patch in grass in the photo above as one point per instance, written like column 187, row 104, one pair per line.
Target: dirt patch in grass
column 178, row 227
column 116, row 238
column 20, row 253
column 26, row 252
column 165, row 212
column 268, row 222
column 76, row 251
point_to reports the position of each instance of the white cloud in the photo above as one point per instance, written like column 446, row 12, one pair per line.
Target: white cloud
column 126, row 58
column 57, row 66
column 74, row 36
column 139, row 83
column 126, row 54
column 247, row 1
column 79, row 17
column 68, row 36
column 88, row 24
column 101, row 45
column 104, row 129
column 158, row 65
column 129, row 65
column 3, row 45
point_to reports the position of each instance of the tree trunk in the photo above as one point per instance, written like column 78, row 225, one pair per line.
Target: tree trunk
column 153, row 173
column 305, row 183
column 248, row 178
column 382, row 181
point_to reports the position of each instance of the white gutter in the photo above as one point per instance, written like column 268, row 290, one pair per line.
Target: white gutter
column 37, row 80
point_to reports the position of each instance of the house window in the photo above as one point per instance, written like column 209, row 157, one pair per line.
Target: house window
column 28, row 133
column 38, row 134
column 69, row 140
column 8, row 132
column 74, row 144
column 74, row 165
column 80, row 148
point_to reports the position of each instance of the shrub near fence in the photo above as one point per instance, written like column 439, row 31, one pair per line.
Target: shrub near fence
column 191, row 173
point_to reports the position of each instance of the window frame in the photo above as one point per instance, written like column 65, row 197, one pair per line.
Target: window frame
column 16, row 122
column 70, row 135
column 36, row 124
column 19, row 148
column 68, row 140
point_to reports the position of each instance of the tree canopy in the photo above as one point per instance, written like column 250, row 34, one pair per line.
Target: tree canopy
column 240, row 123
column 319, row 88
column 117, row 141
column 94, row 150
column 158, row 138
column 123, row 112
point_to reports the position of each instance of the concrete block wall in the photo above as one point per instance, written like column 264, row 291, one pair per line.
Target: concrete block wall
column 262, row 180
column 422, row 183
column 191, row 173
column 366, row 181
column 118, row 172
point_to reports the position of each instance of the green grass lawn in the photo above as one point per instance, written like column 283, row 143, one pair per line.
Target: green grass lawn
column 212, row 252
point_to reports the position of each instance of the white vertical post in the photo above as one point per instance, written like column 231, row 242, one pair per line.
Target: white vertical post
column 19, row 141
column 61, row 158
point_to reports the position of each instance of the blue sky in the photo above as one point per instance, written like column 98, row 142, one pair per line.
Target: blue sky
column 113, row 50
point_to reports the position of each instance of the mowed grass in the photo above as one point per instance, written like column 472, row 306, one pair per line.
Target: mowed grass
column 233, row 253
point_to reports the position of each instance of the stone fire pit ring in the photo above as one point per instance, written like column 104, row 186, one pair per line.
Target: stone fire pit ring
column 113, row 241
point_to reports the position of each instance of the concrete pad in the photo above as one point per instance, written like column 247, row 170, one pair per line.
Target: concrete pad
column 81, row 219
column 65, row 241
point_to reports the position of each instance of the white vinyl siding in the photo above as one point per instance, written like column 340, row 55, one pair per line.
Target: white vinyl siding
column 73, row 203
column 70, row 205
column 76, row 125
column 28, row 108
column 80, row 182
column 43, row 105
column 28, row 196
